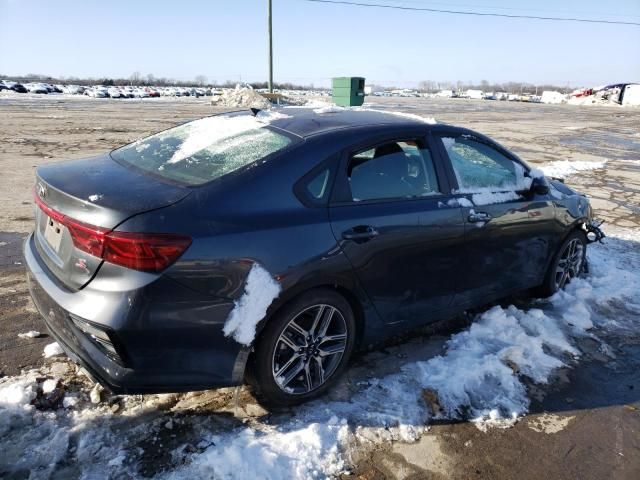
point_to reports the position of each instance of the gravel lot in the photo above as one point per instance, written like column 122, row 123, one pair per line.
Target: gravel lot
column 584, row 424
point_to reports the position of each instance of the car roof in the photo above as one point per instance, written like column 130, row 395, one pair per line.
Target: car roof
column 305, row 122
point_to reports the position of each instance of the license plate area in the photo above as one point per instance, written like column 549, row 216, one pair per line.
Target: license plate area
column 53, row 233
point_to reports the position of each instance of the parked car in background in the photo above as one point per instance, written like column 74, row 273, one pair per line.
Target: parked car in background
column 17, row 87
column 97, row 92
column 115, row 92
column 445, row 94
column 73, row 89
column 37, row 88
column 140, row 93
column 474, row 94
column 351, row 226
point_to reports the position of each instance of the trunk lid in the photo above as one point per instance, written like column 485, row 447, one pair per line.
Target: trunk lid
column 94, row 194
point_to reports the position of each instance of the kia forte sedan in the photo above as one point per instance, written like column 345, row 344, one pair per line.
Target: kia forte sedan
column 270, row 246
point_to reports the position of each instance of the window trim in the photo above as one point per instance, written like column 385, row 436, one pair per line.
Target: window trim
column 451, row 174
column 342, row 195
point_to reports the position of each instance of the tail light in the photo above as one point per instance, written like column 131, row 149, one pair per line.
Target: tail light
column 141, row 251
column 149, row 252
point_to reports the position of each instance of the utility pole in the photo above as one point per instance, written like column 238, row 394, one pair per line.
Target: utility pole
column 270, row 53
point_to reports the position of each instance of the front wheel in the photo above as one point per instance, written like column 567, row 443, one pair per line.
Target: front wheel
column 304, row 348
column 568, row 263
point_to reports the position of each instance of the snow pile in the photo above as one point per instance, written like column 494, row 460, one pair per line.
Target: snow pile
column 412, row 116
column 490, row 198
column 329, row 109
column 565, row 168
column 259, row 292
column 553, row 97
column 15, row 405
column 219, row 133
column 52, row 349
column 29, row 334
column 498, row 340
column 241, row 96
column 268, row 116
column 204, row 132
column 464, row 202
column 310, row 451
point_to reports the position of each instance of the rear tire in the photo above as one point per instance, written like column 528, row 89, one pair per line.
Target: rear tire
column 568, row 263
column 304, row 348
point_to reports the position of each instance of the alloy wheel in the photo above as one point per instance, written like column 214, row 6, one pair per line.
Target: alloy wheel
column 309, row 349
column 570, row 263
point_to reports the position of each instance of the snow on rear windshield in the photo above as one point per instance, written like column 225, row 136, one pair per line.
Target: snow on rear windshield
column 203, row 150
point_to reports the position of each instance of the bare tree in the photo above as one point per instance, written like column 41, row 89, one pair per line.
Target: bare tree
column 135, row 78
column 201, row 80
column 427, row 85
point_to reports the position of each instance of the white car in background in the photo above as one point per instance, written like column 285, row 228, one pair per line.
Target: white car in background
column 474, row 94
column 37, row 88
column 97, row 92
column 115, row 92
column 72, row 89
column 140, row 93
column 445, row 94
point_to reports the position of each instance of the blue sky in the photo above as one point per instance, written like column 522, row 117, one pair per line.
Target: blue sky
column 226, row 40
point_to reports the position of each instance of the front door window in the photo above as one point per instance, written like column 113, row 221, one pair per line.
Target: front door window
column 479, row 167
column 402, row 169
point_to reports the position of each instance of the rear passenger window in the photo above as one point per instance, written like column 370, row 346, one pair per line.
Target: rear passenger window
column 317, row 187
column 479, row 166
column 402, row 169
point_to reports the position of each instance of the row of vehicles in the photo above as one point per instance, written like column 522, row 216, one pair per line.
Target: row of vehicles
column 101, row 91
column 480, row 95
column 105, row 91
column 472, row 94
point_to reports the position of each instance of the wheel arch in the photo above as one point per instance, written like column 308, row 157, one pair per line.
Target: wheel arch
column 345, row 289
column 576, row 226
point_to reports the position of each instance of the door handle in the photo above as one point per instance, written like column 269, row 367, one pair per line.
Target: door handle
column 361, row 232
column 477, row 217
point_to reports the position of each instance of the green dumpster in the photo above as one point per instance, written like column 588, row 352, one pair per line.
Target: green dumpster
column 348, row 91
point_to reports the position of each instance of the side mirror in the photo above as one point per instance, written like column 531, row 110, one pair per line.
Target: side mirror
column 539, row 186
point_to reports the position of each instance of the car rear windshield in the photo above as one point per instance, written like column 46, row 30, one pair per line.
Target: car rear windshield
column 203, row 150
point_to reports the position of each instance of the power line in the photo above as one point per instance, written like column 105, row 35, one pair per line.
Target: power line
column 532, row 11
column 478, row 14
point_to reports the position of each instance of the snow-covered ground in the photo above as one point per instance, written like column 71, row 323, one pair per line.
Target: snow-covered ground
column 48, row 422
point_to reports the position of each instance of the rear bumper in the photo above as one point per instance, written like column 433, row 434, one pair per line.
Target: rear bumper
column 167, row 344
